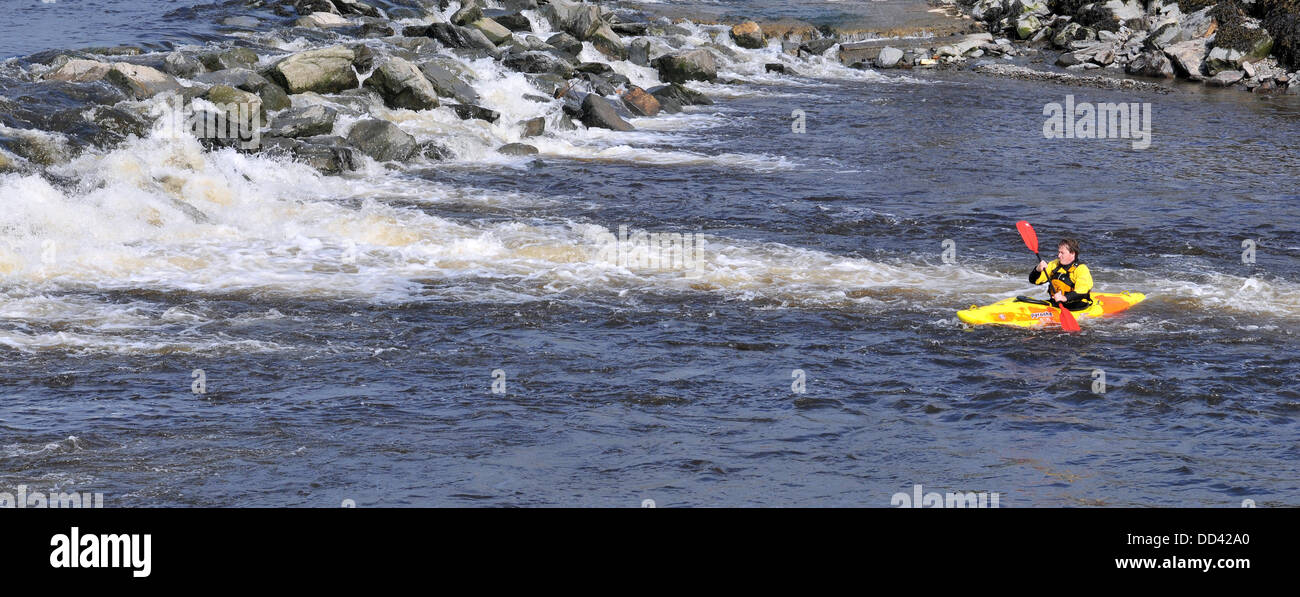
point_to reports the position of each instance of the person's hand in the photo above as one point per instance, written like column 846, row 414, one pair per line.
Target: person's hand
column 1042, row 265
column 1059, row 296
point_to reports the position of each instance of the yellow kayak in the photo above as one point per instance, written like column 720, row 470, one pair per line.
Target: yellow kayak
column 1013, row 311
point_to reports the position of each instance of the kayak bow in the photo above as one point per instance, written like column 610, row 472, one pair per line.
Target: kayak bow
column 1032, row 314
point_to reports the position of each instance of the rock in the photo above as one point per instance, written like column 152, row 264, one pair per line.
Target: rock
column 638, row 52
column 818, row 46
column 597, row 112
column 630, row 29
column 533, row 127
column 696, row 65
column 774, row 67
column 1151, row 64
column 566, row 43
column 748, row 35
column 467, row 14
column 77, row 70
column 1199, row 25
column 327, row 70
column 177, row 64
column 1225, row 78
column 448, row 84
column 888, row 57
column 1072, row 32
column 492, row 30
column 680, row 95
column 326, row 154
column 7, row 164
column 514, row 22
column 1249, row 69
column 355, row 7
column 1165, row 35
column 382, row 140
column 607, row 42
column 304, row 122
column 537, row 62
column 1069, row 59
column 306, row 7
column 402, row 85
column 232, row 58
column 517, row 149
column 273, row 97
column 641, row 103
column 449, row 35
column 470, row 112
column 322, row 20
column 241, row 22
column 574, row 18
column 1222, row 59
column 140, row 82
column 595, row 68
column 1027, row 26
column 1187, row 57
column 237, row 103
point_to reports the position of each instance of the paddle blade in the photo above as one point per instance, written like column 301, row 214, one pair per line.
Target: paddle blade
column 1028, row 235
column 1068, row 323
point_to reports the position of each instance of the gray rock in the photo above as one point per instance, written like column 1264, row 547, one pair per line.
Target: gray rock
column 1222, row 59
column 607, row 42
column 1072, row 32
column 696, row 65
column 232, row 58
column 180, row 65
column 304, row 122
column 402, row 85
column 273, row 97
column 598, row 112
column 538, row 62
column 1151, row 64
column 1187, row 57
column 471, row 112
column 638, row 52
column 817, row 46
column 1165, row 35
column 321, row 20
column 455, row 37
column 566, row 43
column 1225, row 78
column 448, row 84
column 467, row 14
column 680, row 95
column 888, row 57
column 492, row 30
column 326, row 154
column 382, row 140
column 327, row 70
column 140, row 82
column 518, row 149
column 514, row 22
column 77, row 70
column 1198, row 25
column 533, row 127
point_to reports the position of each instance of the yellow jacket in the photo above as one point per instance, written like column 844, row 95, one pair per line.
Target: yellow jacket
column 1075, row 280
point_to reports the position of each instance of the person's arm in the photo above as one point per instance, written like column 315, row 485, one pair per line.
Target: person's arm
column 1082, row 283
column 1039, row 276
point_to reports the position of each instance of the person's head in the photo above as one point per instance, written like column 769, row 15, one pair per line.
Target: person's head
column 1067, row 251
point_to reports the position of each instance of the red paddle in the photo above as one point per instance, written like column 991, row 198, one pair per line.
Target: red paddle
column 1030, row 237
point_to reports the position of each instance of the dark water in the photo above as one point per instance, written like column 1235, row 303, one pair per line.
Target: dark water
column 373, row 383
column 34, row 25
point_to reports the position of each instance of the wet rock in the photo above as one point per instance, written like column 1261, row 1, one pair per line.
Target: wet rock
column 273, row 97
column 1225, row 78
column 306, row 7
column 638, row 52
column 467, row 14
column 598, row 84
column 630, row 29
column 888, row 57
column 472, row 112
column 356, row 7
column 595, row 68
column 818, row 46
column 774, row 67
column 537, row 62
column 80, row 71
column 518, row 149
column 1164, row 36
column 597, row 112
column 1222, row 59
column 448, row 84
column 402, row 85
column 232, row 58
column 492, row 30
column 7, row 164
column 1199, row 25
column 607, row 42
column 680, row 95
column 641, row 103
column 1072, row 32
column 452, row 36
column 329, row 155
column 382, row 140
column 748, row 35
column 1151, row 64
column 326, row 70
column 1027, row 26
column 565, row 43
column 1187, row 57
column 514, row 22
column 696, row 65
column 533, row 127
column 140, row 82
column 177, row 64
column 574, row 18
column 321, row 20
column 307, row 121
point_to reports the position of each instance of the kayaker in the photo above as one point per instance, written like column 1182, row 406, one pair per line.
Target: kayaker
column 1071, row 282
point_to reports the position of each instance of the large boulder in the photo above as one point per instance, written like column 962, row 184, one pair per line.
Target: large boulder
column 236, row 104
column 273, row 97
column 77, row 70
column 402, row 85
column 607, row 42
column 140, row 82
column 327, row 70
column 492, row 30
column 888, row 57
column 322, row 20
column 1225, row 78
column 641, row 103
column 452, row 36
column 748, row 35
column 638, row 52
column 1027, row 26
column 680, row 95
column 382, row 140
column 598, row 112
column 178, row 64
column 1151, row 64
column 537, row 63
column 328, row 154
column 1072, row 32
column 307, row 121
column 467, row 14
column 1221, row 59
column 517, row 149
column 231, row 58
column 1187, row 57
column 448, row 84
column 566, row 44
column 696, row 65
column 472, row 112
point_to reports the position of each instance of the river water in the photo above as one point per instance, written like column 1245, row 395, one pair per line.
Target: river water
column 349, row 329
